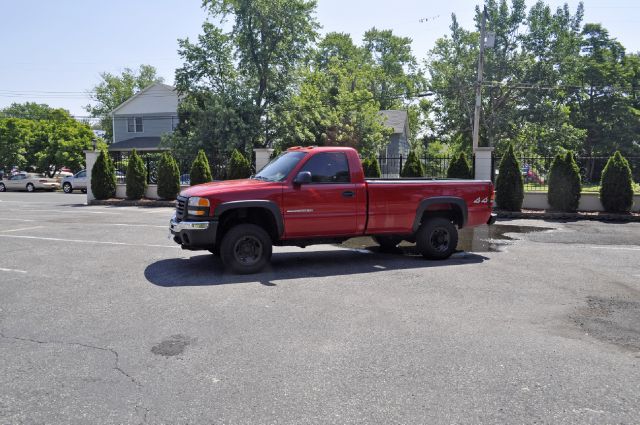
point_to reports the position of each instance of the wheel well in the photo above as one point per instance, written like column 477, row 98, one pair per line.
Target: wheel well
column 259, row 216
column 450, row 211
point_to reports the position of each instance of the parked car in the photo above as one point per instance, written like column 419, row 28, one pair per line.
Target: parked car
column 529, row 175
column 29, row 182
column 77, row 182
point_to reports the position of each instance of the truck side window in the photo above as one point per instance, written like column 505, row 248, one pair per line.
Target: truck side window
column 328, row 167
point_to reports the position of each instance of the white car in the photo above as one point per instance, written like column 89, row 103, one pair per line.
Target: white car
column 29, row 182
column 77, row 182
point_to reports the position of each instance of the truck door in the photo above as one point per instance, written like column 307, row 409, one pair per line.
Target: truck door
column 328, row 205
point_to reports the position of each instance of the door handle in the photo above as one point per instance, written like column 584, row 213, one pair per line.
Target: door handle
column 348, row 194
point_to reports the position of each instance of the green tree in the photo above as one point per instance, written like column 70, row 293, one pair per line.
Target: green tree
column 509, row 186
column 459, row 168
column 371, row 167
column 103, row 177
column 114, row 90
column 239, row 166
column 564, row 183
column 413, row 167
column 200, row 170
column 16, row 135
column 616, row 187
column 136, row 177
column 168, row 177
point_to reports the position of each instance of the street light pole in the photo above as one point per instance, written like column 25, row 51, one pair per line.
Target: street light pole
column 478, row 108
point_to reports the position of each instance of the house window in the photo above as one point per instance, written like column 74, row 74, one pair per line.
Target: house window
column 134, row 125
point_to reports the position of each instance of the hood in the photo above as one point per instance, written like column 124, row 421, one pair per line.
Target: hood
column 214, row 189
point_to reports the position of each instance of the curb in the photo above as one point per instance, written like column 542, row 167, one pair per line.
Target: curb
column 542, row 215
column 133, row 203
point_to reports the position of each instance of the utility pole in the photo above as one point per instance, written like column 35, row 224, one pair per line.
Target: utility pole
column 476, row 115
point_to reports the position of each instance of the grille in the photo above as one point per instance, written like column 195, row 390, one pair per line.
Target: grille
column 181, row 205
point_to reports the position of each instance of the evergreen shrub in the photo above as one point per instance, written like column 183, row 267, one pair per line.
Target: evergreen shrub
column 616, row 186
column 509, row 185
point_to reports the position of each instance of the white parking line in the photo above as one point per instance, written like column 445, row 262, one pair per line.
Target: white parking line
column 70, row 211
column 23, row 228
column 12, row 270
column 87, row 241
column 619, row 248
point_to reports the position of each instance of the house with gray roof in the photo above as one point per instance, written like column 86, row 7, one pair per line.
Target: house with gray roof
column 140, row 122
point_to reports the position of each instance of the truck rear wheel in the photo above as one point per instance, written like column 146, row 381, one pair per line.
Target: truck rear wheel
column 246, row 248
column 386, row 242
column 437, row 238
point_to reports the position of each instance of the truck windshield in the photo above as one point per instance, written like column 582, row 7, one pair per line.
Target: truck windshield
column 279, row 168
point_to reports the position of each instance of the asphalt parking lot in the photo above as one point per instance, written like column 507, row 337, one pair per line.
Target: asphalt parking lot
column 104, row 320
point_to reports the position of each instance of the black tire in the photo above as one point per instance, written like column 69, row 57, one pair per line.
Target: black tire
column 66, row 188
column 437, row 238
column 30, row 187
column 387, row 242
column 3, row 188
column 246, row 248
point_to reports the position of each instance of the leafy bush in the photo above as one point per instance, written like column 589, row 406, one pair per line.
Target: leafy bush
column 510, row 186
column 413, row 167
column 136, row 177
column 460, row 168
column 564, row 184
column 103, row 177
column 371, row 167
column 168, row 177
column 239, row 166
column 616, row 186
column 276, row 153
column 200, row 170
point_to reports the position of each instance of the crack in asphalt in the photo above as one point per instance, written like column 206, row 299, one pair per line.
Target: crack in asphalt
column 116, row 365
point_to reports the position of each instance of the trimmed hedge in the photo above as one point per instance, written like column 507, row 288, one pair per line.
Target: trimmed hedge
column 460, row 168
column 200, row 170
column 136, row 177
column 239, row 166
column 103, row 177
column 371, row 167
column 616, row 186
column 564, row 184
column 413, row 167
column 168, row 177
column 509, row 186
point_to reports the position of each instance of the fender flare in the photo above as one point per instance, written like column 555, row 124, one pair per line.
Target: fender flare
column 453, row 200
column 270, row 206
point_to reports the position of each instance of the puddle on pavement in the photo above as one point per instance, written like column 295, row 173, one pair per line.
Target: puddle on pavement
column 476, row 239
column 172, row 346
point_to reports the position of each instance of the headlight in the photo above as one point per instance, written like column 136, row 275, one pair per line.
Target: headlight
column 198, row 206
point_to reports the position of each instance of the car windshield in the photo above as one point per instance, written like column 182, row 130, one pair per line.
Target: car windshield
column 278, row 169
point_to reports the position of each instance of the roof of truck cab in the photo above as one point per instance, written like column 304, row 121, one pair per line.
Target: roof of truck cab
column 320, row 149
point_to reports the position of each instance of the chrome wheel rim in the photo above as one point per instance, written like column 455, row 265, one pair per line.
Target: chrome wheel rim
column 247, row 250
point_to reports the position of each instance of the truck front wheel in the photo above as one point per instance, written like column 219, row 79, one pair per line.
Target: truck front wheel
column 437, row 238
column 246, row 248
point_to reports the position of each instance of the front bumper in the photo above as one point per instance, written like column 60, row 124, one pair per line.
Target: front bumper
column 194, row 235
column 492, row 219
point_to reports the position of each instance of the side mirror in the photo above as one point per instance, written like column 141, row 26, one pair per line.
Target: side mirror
column 303, row 177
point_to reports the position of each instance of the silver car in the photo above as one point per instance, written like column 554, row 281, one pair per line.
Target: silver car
column 77, row 182
column 29, row 182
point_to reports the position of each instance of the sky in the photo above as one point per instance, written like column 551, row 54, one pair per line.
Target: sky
column 54, row 52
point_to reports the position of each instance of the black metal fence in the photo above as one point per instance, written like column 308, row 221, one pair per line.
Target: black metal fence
column 435, row 166
column 535, row 170
column 217, row 163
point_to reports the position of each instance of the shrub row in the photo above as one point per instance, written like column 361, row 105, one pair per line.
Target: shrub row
column 616, row 185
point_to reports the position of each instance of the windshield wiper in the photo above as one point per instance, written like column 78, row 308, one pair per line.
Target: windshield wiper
column 261, row 178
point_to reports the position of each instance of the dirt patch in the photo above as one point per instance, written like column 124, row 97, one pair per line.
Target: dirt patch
column 612, row 320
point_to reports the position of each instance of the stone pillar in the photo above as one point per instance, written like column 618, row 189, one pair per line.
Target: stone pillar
column 482, row 164
column 262, row 157
column 91, row 157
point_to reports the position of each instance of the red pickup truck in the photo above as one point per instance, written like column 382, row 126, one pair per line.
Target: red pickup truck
column 317, row 195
